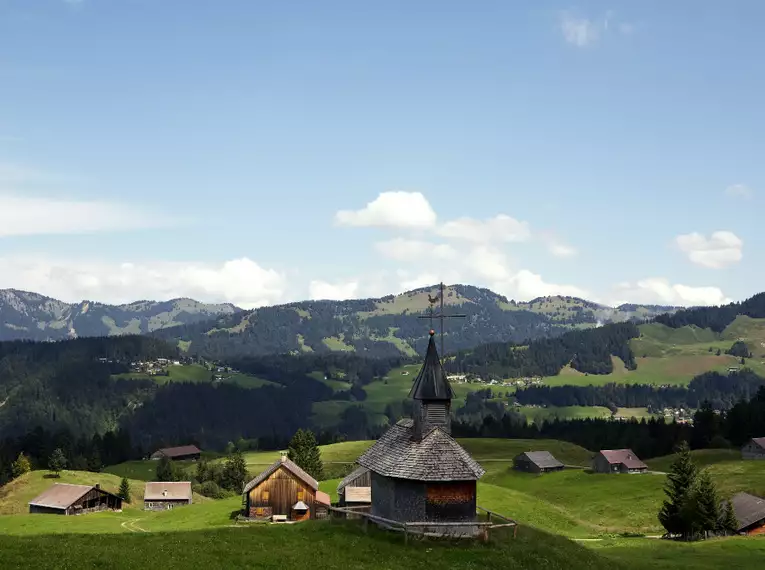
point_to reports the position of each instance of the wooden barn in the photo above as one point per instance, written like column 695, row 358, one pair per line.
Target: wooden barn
column 750, row 513
column 356, row 489
column 418, row 472
column 754, row 449
column 66, row 499
column 618, row 461
column 160, row 496
column 537, row 462
column 284, row 492
column 178, row 453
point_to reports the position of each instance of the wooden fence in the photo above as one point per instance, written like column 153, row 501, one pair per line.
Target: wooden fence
column 467, row 529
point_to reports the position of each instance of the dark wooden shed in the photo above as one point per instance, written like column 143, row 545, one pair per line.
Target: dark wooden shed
column 750, row 513
column 418, row 472
column 66, row 499
column 181, row 453
column 754, row 449
column 284, row 490
column 356, row 488
column 537, row 462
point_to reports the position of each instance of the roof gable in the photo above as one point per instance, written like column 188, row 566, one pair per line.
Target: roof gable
column 436, row 457
column 179, row 451
column 542, row 459
column 60, row 495
column 163, row 491
column 289, row 466
column 355, row 474
column 624, row 457
column 431, row 382
column 759, row 441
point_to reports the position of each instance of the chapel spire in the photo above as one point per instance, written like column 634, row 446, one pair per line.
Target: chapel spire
column 431, row 383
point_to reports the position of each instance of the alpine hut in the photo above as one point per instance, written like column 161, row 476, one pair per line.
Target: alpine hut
column 418, row 472
column 160, row 496
column 618, row 461
column 750, row 513
column 537, row 462
column 754, row 449
column 66, row 499
column 284, row 492
column 180, row 453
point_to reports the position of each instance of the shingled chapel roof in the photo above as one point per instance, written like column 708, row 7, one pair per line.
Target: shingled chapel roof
column 436, row 457
column 431, row 382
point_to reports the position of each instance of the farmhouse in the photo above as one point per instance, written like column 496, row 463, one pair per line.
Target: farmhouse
column 160, row 496
column 65, row 499
column 285, row 492
column 750, row 513
column 356, row 488
column 537, row 462
column 418, row 472
column 178, row 453
column 618, row 461
column 754, row 449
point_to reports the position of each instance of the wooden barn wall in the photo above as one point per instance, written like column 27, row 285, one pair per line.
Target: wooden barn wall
column 523, row 464
column 45, row 510
column 283, row 490
column 451, row 501
column 363, row 480
column 601, row 464
column 752, row 451
column 97, row 498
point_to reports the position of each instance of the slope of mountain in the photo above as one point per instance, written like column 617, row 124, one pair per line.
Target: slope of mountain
column 389, row 326
column 35, row 317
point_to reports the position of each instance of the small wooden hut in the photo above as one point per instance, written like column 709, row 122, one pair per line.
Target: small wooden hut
column 356, row 489
column 160, row 496
column 66, row 499
column 418, row 472
column 181, row 453
column 284, row 492
column 754, row 449
column 618, row 461
column 537, row 462
column 750, row 513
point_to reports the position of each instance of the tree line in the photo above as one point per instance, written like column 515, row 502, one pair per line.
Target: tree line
column 715, row 318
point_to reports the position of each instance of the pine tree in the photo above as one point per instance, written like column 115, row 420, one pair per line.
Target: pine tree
column 166, row 470
column 57, row 461
column 728, row 521
column 680, row 482
column 124, row 491
column 20, row 466
column 706, row 504
column 304, row 451
column 235, row 472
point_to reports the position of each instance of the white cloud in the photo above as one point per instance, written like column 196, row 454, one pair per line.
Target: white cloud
column 577, row 31
column 322, row 290
column 739, row 191
column 658, row 290
column 722, row 249
column 391, row 209
column 402, row 249
column 239, row 281
column 528, row 285
column 26, row 215
column 561, row 249
column 501, row 228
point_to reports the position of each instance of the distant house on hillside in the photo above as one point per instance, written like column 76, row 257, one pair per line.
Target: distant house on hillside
column 754, row 449
column 537, row 462
column 618, row 461
column 65, row 499
column 178, row 453
column 285, row 492
column 750, row 513
column 160, row 496
column 356, row 488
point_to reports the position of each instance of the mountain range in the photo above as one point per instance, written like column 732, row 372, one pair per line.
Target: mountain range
column 381, row 327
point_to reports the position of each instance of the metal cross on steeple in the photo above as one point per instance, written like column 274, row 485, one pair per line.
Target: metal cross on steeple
column 441, row 316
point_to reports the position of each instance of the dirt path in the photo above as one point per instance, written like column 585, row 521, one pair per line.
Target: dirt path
column 132, row 526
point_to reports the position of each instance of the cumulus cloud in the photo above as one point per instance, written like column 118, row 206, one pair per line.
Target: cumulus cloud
column 528, row 285
column 720, row 250
column 501, row 228
column 324, row 291
column 403, row 249
column 239, row 281
column 394, row 209
column 739, row 191
column 577, row 31
column 659, row 291
column 27, row 215
column 561, row 249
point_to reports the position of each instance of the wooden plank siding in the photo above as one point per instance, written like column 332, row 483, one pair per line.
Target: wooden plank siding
column 277, row 494
column 450, row 501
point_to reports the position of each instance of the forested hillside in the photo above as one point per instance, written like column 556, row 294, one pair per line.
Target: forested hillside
column 31, row 316
column 716, row 318
column 389, row 326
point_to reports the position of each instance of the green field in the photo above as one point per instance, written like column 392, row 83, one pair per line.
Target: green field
column 196, row 373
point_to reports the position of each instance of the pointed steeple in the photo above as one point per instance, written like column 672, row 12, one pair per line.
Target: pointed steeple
column 431, row 384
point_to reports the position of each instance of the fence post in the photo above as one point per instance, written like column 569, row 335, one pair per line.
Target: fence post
column 366, row 525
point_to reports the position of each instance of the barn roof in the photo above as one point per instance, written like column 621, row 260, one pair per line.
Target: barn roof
column 161, row 491
column 63, row 495
column 436, row 457
column 431, row 382
column 748, row 508
column 626, row 457
column 759, row 441
column 542, row 459
column 323, row 498
column 355, row 474
column 178, row 451
column 289, row 466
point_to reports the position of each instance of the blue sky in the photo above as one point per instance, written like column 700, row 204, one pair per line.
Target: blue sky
column 260, row 152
